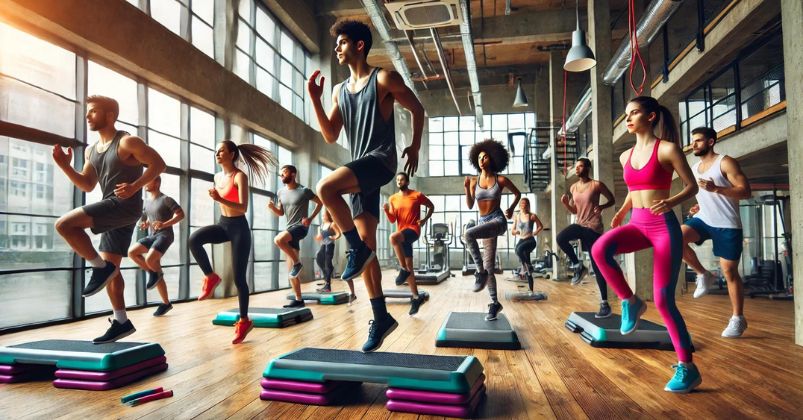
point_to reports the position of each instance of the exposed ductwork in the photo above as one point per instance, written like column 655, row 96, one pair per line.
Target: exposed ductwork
column 657, row 13
column 381, row 26
column 471, row 62
column 581, row 111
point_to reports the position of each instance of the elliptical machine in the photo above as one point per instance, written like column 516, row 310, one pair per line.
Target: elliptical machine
column 438, row 238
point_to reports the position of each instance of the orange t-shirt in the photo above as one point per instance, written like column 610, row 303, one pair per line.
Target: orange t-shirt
column 408, row 210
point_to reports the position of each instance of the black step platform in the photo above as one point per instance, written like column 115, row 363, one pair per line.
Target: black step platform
column 471, row 330
column 604, row 332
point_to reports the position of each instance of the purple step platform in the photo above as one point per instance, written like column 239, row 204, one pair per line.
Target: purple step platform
column 10, row 374
column 297, row 397
column 299, row 386
column 95, row 376
column 114, row 383
column 397, row 394
column 462, row 411
column 13, row 369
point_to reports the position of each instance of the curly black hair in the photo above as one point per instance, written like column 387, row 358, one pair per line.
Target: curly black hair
column 495, row 150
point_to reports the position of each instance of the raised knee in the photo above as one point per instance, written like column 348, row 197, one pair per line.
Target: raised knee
column 152, row 259
column 62, row 225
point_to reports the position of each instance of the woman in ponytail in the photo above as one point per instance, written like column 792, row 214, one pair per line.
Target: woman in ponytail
column 648, row 168
column 231, row 191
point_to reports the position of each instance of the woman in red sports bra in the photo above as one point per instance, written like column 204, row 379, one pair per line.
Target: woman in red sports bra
column 231, row 191
column 648, row 169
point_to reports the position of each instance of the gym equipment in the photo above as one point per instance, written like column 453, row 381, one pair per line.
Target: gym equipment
column 438, row 238
column 404, row 294
column 81, row 364
column 471, row 330
column 266, row 317
column 420, row 383
column 604, row 332
column 323, row 298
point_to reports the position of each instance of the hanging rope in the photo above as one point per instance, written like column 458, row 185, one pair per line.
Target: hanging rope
column 635, row 53
column 563, row 122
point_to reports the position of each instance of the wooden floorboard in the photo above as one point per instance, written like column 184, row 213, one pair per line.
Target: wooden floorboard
column 556, row 375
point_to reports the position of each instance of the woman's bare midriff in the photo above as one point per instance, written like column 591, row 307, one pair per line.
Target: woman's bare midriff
column 645, row 198
column 487, row 206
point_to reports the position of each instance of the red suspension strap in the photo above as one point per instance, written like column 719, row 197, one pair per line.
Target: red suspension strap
column 563, row 122
column 635, row 54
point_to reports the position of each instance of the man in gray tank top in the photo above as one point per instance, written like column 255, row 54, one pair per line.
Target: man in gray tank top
column 363, row 106
column 722, row 185
column 115, row 162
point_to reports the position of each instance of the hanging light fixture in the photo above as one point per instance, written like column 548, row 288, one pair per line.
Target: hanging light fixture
column 580, row 57
column 521, row 98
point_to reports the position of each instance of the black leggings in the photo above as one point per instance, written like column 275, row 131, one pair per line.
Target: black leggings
column 587, row 237
column 324, row 260
column 236, row 230
column 523, row 250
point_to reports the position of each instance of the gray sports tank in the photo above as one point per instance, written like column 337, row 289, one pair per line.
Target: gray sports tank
column 326, row 235
column 524, row 227
column 112, row 171
column 367, row 131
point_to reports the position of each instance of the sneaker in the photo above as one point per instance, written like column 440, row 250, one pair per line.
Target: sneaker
column 402, row 277
column 241, row 328
column 357, row 261
column 578, row 275
column 480, row 279
column 352, row 298
column 575, row 266
column 686, row 378
column 493, row 310
column 100, row 278
column 115, row 332
column 415, row 304
column 296, row 270
column 631, row 313
column 377, row 331
column 736, row 327
column 162, row 309
column 604, row 310
column 210, row 283
column 327, row 288
column 295, row 304
column 153, row 279
column 703, row 282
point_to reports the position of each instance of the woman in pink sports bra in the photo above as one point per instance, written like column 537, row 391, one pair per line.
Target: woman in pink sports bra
column 648, row 168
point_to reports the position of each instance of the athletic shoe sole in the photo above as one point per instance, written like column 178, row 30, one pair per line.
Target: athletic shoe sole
column 102, row 286
column 160, row 278
column 603, row 317
column 691, row 387
column 496, row 316
column 638, row 318
column 121, row 336
column 165, row 312
column 212, row 290
column 382, row 340
column 364, row 266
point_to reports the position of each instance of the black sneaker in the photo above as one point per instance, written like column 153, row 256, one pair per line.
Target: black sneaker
column 296, row 270
column 295, row 304
column 357, row 261
column 604, row 310
column 493, row 310
column 377, row 331
column 402, row 277
column 162, row 309
column 100, row 278
column 327, row 288
column 415, row 304
column 578, row 275
column 153, row 279
column 115, row 332
column 480, row 279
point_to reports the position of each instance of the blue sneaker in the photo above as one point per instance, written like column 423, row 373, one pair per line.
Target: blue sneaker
column 357, row 261
column 686, row 378
column 296, row 270
column 377, row 331
column 631, row 313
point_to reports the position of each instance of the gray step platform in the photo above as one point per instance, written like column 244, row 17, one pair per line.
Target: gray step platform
column 604, row 332
column 404, row 294
column 80, row 355
column 431, row 278
column 471, row 330
column 266, row 317
column 331, row 298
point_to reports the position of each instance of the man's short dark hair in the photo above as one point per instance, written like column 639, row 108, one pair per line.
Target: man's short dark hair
column 105, row 103
column 707, row 132
column 404, row 174
column 290, row 168
column 355, row 31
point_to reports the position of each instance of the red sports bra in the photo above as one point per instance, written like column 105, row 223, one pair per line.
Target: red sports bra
column 651, row 177
column 232, row 193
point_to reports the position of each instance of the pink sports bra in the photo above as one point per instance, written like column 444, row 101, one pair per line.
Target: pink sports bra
column 651, row 177
column 232, row 193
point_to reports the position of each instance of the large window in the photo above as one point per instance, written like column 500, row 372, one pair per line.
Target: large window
column 200, row 13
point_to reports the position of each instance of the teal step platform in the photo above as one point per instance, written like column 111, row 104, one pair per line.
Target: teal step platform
column 266, row 317
column 332, row 298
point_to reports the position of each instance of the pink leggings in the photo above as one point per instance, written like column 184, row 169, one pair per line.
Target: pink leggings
column 662, row 233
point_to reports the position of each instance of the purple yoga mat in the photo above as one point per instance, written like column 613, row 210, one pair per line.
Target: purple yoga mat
column 296, row 397
column 397, row 394
column 299, row 386
column 114, row 383
column 463, row 411
column 95, row 376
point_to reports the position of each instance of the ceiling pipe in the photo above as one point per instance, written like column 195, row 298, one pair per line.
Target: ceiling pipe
column 657, row 13
column 445, row 67
column 424, row 75
column 381, row 26
column 471, row 61
column 581, row 111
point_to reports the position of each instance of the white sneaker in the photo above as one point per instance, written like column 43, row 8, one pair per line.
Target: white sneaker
column 736, row 327
column 703, row 281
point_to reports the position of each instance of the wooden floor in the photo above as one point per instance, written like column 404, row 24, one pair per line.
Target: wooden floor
column 557, row 375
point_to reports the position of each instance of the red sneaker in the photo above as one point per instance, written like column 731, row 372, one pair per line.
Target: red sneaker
column 241, row 329
column 210, row 283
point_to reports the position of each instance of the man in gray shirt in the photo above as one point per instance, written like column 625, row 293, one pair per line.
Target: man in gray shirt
column 294, row 201
column 159, row 215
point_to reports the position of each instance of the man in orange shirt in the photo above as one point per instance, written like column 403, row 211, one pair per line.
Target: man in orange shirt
column 404, row 209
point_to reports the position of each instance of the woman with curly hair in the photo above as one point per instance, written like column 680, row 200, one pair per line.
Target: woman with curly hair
column 489, row 157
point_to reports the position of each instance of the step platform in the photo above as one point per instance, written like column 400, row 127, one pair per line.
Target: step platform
column 266, row 317
column 604, row 332
column 81, row 364
column 430, row 278
column 471, row 330
column 330, row 298
column 404, row 294
column 436, row 403
column 525, row 296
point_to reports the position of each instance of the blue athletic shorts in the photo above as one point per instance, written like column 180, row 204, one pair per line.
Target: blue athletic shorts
column 727, row 241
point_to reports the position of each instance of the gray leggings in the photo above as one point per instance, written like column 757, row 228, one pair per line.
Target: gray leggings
column 489, row 227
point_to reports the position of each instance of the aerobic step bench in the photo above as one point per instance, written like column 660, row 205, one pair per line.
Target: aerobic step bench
column 418, row 383
column 81, row 364
column 471, row 330
column 266, row 317
column 331, row 298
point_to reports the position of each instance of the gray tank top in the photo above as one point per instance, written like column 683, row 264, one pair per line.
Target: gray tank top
column 326, row 235
column 112, row 171
column 367, row 131
column 524, row 227
column 483, row 194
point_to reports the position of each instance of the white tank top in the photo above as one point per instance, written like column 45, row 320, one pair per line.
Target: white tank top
column 717, row 210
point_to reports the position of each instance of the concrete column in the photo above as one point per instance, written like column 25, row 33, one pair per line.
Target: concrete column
column 791, row 16
column 560, row 217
